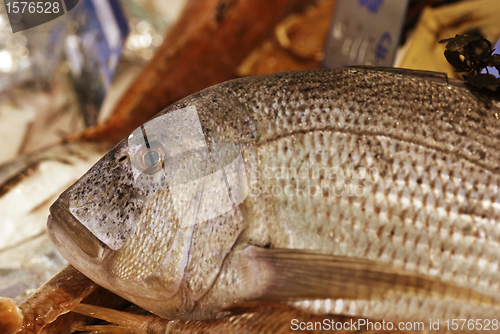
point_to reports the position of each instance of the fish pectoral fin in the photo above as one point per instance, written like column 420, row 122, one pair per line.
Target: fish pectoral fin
column 289, row 274
column 125, row 322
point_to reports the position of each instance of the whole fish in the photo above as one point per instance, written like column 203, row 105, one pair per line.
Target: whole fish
column 347, row 191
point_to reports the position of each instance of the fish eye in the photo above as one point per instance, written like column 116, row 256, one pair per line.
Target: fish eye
column 151, row 158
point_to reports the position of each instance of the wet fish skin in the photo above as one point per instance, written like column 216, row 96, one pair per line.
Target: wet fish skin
column 433, row 199
column 55, row 298
column 10, row 316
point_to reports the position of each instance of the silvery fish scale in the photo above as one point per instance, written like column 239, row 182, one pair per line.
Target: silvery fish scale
column 260, row 175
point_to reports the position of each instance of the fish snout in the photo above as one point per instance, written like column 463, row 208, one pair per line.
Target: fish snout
column 63, row 221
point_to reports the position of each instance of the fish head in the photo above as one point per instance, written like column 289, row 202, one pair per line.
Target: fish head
column 128, row 223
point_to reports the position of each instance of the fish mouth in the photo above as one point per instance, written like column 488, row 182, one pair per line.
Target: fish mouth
column 73, row 228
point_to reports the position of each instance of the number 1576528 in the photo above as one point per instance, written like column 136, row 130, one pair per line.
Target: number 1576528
column 471, row 324
column 41, row 7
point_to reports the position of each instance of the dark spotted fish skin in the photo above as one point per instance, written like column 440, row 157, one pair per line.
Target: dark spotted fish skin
column 430, row 207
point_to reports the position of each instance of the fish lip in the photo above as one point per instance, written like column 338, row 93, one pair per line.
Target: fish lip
column 74, row 229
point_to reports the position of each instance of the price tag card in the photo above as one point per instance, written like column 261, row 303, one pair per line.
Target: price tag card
column 365, row 32
column 94, row 49
column 492, row 70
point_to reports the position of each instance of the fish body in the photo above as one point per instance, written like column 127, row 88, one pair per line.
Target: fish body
column 348, row 191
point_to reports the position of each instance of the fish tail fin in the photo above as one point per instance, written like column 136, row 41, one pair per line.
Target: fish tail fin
column 124, row 322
